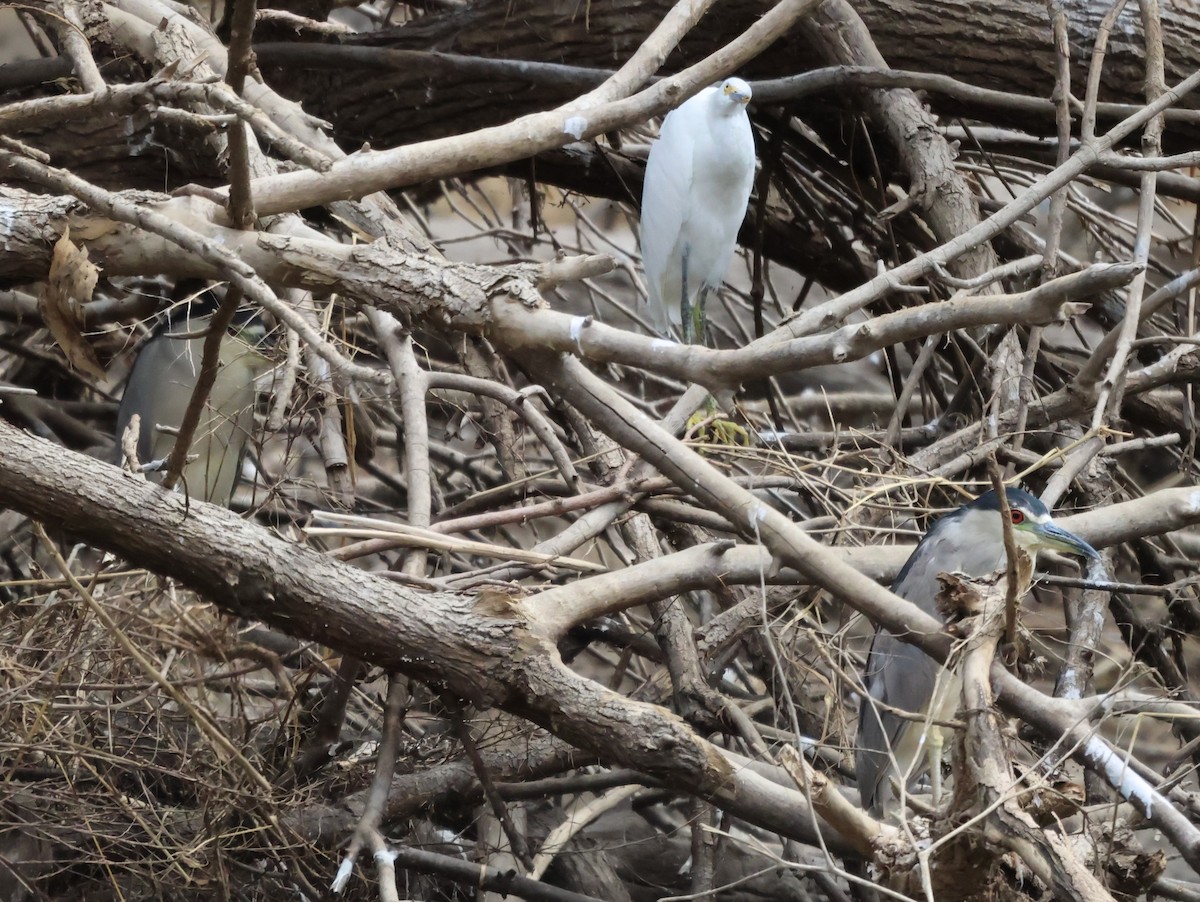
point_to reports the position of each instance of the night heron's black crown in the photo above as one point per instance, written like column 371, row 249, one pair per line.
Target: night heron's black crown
column 990, row 501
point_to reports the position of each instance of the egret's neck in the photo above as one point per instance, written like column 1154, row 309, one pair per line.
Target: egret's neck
column 727, row 108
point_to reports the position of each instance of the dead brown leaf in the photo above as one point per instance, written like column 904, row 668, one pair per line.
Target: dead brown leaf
column 71, row 283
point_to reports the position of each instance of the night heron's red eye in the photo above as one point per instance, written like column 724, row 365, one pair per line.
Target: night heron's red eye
column 1018, row 517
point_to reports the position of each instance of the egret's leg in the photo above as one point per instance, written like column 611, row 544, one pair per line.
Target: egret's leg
column 933, row 748
column 698, row 316
column 685, row 306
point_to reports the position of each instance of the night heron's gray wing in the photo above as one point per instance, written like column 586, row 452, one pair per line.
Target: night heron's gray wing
column 159, row 389
column 900, row 676
column 148, row 395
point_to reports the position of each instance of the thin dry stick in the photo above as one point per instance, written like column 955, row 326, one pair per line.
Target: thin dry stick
column 911, row 381
column 237, row 271
column 1012, row 598
column 650, row 55
column 704, row 848
column 1111, row 387
column 413, row 386
column 286, row 381
column 68, row 27
column 1062, row 120
column 1151, row 146
column 517, row 329
column 214, row 734
column 482, row 877
column 521, row 403
column 578, row 816
column 1058, row 206
column 462, row 730
column 404, row 536
column 331, row 435
column 385, row 864
column 862, row 830
column 379, row 170
column 1087, row 124
column 366, row 833
column 241, row 203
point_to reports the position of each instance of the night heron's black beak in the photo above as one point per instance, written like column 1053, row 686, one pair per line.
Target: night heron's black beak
column 1056, row 538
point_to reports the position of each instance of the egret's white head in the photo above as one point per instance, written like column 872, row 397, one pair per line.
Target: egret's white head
column 736, row 90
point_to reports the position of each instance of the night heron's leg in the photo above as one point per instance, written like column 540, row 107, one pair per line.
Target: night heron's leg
column 933, row 748
column 685, row 306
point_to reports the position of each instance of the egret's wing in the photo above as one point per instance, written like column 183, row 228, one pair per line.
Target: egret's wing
column 666, row 205
column 729, row 196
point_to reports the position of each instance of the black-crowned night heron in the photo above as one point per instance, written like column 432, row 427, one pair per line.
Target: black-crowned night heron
column 698, row 180
column 160, row 387
column 902, row 677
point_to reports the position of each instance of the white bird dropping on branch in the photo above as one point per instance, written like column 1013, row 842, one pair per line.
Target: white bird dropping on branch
column 345, row 869
column 698, row 180
column 575, row 127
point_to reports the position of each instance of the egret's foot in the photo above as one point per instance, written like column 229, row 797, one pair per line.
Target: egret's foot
column 933, row 748
column 708, row 428
column 727, row 432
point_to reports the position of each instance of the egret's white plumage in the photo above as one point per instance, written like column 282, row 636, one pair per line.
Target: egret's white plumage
column 698, row 180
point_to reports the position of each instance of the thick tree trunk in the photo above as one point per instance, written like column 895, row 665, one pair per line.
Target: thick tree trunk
column 482, row 647
column 388, row 101
column 454, row 627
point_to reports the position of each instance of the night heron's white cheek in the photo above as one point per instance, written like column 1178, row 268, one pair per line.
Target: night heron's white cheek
column 1027, row 540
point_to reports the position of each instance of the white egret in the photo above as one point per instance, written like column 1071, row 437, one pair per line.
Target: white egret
column 698, row 180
